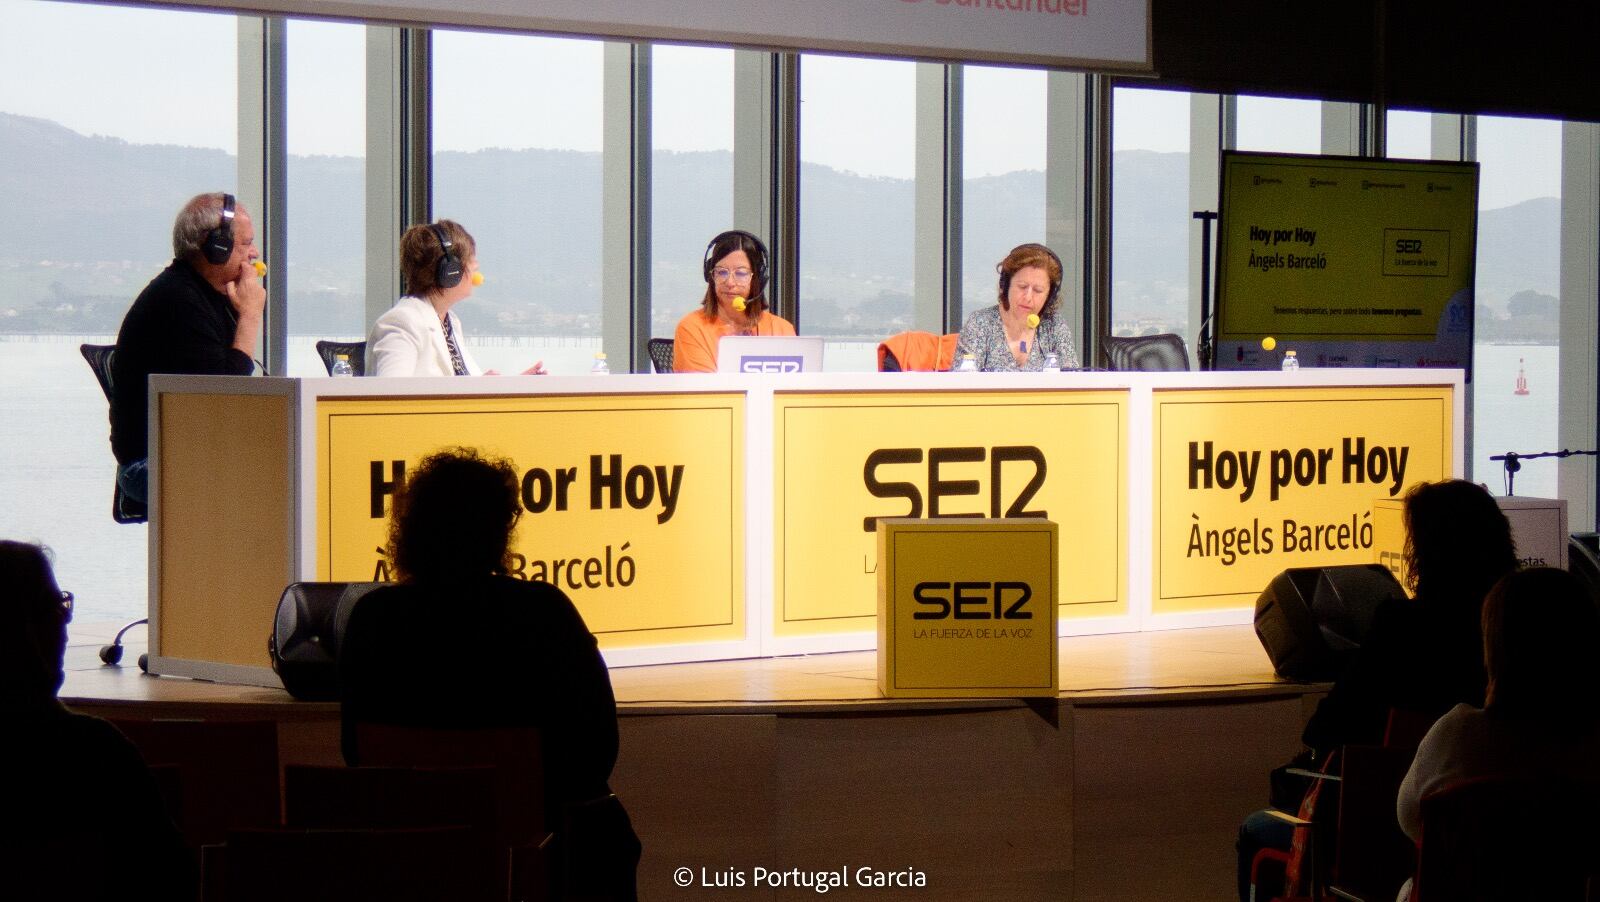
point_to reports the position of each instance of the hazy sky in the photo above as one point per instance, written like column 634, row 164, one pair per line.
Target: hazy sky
column 78, row 65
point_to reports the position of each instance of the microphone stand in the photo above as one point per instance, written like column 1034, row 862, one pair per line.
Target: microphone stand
column 1205, row 348
column 1513, row 463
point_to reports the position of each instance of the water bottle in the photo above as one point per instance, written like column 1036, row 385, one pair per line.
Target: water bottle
column 1052, row 363
column 341, row 366
column 600, row 367
column 968, row 364
column 1291, row 363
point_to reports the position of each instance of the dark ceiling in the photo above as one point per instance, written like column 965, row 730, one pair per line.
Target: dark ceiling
column 1518, row 59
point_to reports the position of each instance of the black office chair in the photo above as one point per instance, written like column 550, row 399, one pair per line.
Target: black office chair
column 661, row 354
column 329, row 351
column 1150, row 353
column 123, row 508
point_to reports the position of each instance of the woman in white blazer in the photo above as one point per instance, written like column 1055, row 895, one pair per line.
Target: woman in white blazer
column 419, row 335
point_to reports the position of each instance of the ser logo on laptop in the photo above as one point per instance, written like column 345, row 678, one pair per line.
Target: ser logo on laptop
column 769, row 364
column 769, row 354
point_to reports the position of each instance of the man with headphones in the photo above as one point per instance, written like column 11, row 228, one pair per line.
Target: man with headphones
column 735, row 303
column 201, row 316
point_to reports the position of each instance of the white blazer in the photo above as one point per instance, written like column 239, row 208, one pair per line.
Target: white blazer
column 407, row 340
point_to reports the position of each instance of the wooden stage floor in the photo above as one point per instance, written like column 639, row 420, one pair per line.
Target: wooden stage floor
column 1130, row 785
column 1210, row 661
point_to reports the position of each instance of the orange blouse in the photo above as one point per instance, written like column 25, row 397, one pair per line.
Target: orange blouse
column 694, row 345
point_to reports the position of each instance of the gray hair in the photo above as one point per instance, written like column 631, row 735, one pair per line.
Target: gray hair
column 198, row 217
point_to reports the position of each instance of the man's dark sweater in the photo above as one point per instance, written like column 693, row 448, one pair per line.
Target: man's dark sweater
column 178, row 324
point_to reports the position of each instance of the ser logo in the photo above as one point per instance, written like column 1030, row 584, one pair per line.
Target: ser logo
column 972, row 601
column 754, row 364
column 1002, row 503
column 1408, row 245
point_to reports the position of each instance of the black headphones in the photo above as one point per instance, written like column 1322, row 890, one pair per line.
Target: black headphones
column 1055, row 284
column 758, row 265
column 218, row 244
column 449, row 271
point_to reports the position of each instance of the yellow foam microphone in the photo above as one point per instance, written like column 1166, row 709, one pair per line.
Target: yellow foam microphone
column 477, row 278
column 261, row 268
column 1268, row 343
column 1033, row 320
column 739, row 304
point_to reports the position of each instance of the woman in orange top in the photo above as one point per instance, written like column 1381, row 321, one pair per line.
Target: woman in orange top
column 735, row 268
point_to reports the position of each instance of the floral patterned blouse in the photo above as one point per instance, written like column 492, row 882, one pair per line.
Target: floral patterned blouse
column 984, row 337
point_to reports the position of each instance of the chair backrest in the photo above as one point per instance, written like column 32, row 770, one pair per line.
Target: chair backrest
column 661, row 354
column 389, row 797
column 514, row 753
column 1150, row 353
column 228, row 771
column 411, row 865
column 99, row 357
column 1502, row 838
column 1372, row 856
column 329, row 351
column 916, row 351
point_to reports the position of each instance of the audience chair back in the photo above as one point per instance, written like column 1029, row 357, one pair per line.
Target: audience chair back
column 228, row 771
column 329, row 351
column 416, row 865
column 513, row 752
column 1372, row 856
column 661, row 354
column 1510, row 839
column 368, row 798
column 99, row 357
column 1165, row 352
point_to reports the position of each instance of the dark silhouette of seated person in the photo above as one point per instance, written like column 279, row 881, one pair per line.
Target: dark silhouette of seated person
column 1422, row 655
column 83, row 817
column 1541, row 717
column 459, row 644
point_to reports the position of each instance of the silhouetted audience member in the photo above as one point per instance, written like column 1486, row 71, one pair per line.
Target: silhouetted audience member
column 460, row 644
column 83, row 818
column 1541, row 717
column 1423, row 654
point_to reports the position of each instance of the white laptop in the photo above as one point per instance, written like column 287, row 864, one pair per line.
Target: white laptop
column 769, row 354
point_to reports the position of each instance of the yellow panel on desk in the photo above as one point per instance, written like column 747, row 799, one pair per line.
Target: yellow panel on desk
column 225, row 502
column 1250, row 482
column 633, row 504
column 844, row 460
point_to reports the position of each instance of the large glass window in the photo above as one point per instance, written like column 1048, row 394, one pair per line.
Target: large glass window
column 517, row 133
column 691, row 178
column 1516, row 345
column 106, row 128
column 1151, row 219
column 1002, row 160
column 327, row 189
column 857, row 203
column 1409, row 136
column 1279, row 125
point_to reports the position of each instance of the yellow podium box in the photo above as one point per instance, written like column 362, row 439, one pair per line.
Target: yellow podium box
column 967, row 607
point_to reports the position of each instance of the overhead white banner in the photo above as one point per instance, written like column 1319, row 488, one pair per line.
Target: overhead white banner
column 1104, row 35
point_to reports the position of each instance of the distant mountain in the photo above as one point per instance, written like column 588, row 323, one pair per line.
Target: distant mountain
column 85, row 222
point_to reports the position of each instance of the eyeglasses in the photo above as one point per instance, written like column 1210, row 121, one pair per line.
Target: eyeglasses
column 66, row 604
column 737, row 275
